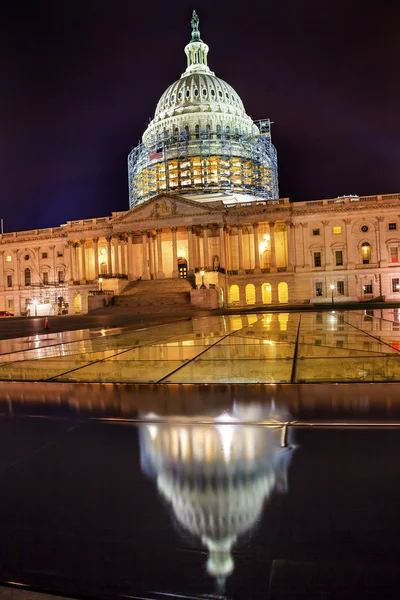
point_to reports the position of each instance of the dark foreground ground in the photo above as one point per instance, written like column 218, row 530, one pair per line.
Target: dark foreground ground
column 98, row 507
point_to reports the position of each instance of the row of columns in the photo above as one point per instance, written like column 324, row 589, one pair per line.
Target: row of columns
column 152, row 252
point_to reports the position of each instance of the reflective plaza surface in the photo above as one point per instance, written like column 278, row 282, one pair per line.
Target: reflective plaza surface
column 292, row 347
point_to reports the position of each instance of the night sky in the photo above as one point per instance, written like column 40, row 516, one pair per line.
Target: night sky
column 81, row 78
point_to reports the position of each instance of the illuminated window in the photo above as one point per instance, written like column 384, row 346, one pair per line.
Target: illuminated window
column 317, row 259
column 283, row 292
column 396, row 285
column 366, row 253
column 250, row 294
column 316, row 231
column 394, row 254
column 339, row 258
column 368, row 286
column 318, row 288
column 234, row 294
column 337, row 230
column 27, row 274
column 392, row 226
column 340, row 288
column 266, row 293
column 8, row 258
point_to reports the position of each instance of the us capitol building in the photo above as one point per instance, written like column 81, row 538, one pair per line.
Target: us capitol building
column 204, row 205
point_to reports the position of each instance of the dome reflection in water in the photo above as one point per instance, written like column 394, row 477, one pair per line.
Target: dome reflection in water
column 217, row 477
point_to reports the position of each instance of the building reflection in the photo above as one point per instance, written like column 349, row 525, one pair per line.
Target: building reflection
column 217, row 477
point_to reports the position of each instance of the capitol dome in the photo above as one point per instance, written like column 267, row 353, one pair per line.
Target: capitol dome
column 201, row 141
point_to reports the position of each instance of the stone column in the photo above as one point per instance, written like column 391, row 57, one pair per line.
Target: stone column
column 145, row 269
column 71, row 260
column 130, row 256
column 347, row 259
column 151, row 253
column 205, row 246
column 306, row 256
column 77, row 270
column 240, row 248
column 2, row 282
column 116, row 254
column 96, row 257
column 175, row 272
column 222, row 258
column 83, row 261
column 109, row 261
column 291, row 245
column 160, row 273
column 382, row 258
column 123, row 265
column 53, row 260
column 327, row 249
column 190, row 251
column 257, row 268
column 228, row 250
column 272, row 242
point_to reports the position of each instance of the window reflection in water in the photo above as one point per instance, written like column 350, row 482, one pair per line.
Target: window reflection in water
column 217, row 477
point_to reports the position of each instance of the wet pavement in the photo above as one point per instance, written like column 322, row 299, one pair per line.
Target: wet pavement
column 200, row 491
column 281, row 347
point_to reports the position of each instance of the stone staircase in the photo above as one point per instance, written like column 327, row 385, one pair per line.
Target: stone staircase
column 159, row 296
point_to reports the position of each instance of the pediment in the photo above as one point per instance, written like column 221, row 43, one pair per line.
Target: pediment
column 163, row 207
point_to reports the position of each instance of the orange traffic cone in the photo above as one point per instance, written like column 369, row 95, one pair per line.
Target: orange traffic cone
column 46, row 323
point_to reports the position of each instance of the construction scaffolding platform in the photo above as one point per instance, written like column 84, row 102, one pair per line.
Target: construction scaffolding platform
column 205, row 162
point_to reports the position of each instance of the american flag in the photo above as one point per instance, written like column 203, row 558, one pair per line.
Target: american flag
column 156, row 154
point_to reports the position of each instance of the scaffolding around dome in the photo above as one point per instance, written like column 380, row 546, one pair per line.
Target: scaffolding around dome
column 205, row 162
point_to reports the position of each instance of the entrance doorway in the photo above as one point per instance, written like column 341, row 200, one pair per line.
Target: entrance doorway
column 182, row 268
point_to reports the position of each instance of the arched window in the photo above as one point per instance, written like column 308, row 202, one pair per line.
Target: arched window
column 208, row 129
column 219, row 131
column 250, row 294
column 366, row 253
column 228, row 131
column 197, row 132
column 233, row 295
column 283, row 292
column 27, row 274
column 187, row 135
column 266, row 293
column 77, row 303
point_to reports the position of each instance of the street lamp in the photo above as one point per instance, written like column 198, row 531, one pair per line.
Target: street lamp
column 202, row 287
column 332, row 287
column 100, row 284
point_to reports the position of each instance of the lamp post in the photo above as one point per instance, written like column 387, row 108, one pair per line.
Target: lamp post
column 332, row 287
column 100, row 284
column 202, row 287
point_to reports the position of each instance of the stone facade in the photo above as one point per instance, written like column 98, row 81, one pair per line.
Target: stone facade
column 264, row 253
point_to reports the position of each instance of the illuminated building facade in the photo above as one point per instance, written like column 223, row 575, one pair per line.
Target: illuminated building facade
column 203, row 194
